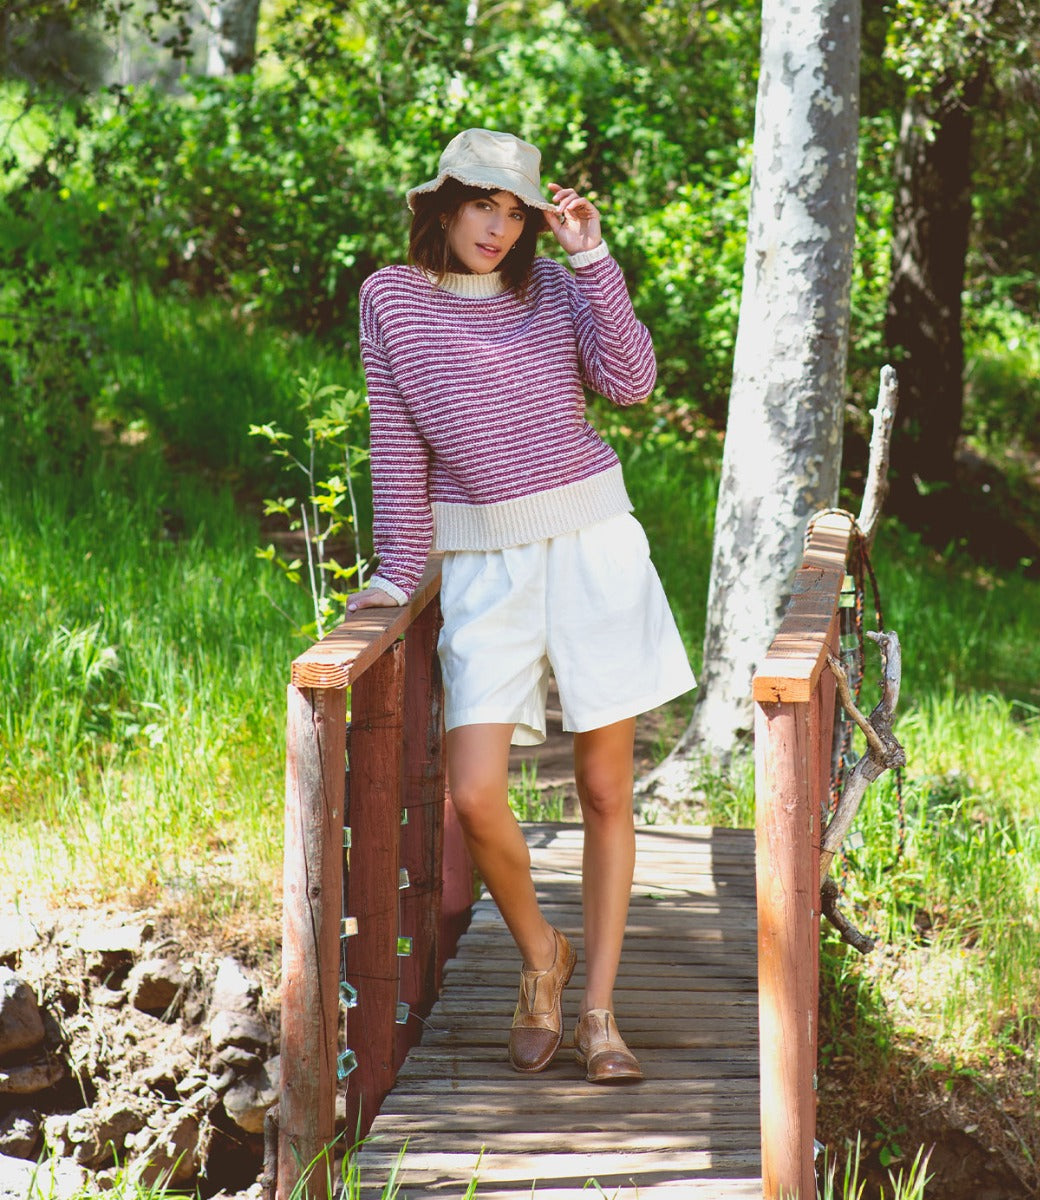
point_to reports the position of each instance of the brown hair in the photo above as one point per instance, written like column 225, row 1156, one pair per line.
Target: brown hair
column 428, row 246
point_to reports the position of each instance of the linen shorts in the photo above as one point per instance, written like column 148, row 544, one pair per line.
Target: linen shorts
column 588, row 605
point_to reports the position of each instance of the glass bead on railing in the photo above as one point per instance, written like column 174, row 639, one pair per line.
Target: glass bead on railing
column 345, row 1063
column 404, row 947
column 347, row 994
column 348, row 927
column 403, row 1012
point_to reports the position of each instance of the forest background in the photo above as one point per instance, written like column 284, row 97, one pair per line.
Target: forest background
column 184, row 225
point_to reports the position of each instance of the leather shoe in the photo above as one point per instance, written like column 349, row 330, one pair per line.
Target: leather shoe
column 538, row 1021
column 601, row 1050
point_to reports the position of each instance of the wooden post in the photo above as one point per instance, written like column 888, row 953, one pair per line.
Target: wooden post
column 794, row 712
column 788, row 875
column 314, row 802
column 374, row 816
column 422, row 837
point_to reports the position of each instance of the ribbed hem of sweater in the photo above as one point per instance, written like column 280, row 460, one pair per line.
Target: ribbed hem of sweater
column 391, row 589
column 530, row 518
column 585, row 258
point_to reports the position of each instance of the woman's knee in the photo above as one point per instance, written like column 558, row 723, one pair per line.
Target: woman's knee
column 605, row 794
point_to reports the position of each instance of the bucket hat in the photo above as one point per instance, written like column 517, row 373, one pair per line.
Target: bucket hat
column 484, row 158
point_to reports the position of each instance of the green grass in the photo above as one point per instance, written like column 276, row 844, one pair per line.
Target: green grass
column 143, row 668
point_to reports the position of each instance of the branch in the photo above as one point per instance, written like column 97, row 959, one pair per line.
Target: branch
column 884, row 751
column 876, row 488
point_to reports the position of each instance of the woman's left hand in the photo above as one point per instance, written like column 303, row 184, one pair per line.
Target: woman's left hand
column 575, row 221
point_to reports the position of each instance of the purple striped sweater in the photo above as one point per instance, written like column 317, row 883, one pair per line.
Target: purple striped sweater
column 477, row 407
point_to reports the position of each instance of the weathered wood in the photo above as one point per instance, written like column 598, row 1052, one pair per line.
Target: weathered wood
column 422, row 836
column 798, row 654
column 787, row 861
column 349, row 650
column 695, row 1117
column 374, row 815
column 313, row 867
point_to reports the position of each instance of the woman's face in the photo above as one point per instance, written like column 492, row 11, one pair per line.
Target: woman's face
column 484, row 230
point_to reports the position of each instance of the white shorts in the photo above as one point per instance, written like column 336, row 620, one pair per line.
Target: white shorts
column 587, row 604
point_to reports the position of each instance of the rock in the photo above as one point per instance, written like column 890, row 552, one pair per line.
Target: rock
column 153, row 985
column 110, row 950
column 247, row 1101
column 20, row 1133
column 233, row 990
column 172, row 1153
column 242, row 1061
column 107, row 997
column 16, row 934
column 60, row 1178
column 21, row 1022
column 244, row 1030
column 123, row 941
column 28, row 1078
column 99, row 1134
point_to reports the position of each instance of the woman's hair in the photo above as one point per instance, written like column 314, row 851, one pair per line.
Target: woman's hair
column 428, row 246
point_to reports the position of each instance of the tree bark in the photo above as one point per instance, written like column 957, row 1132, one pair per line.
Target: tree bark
column 930, row 225
column 232, row 36
column 782, row 455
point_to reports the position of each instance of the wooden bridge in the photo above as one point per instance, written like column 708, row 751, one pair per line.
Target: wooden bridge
column 719, row 977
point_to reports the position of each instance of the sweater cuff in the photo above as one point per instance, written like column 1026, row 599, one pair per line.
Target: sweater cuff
column 587, row 257
column 391, row 589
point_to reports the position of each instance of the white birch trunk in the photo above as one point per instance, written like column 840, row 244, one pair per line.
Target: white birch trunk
column 783, row 437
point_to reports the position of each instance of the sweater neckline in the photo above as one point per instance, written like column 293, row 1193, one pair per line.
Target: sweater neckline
column 470, row 287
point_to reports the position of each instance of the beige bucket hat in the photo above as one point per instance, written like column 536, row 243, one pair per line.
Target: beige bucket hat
column 484, row 158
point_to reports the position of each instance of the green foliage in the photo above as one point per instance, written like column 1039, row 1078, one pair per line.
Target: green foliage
column 328, row 512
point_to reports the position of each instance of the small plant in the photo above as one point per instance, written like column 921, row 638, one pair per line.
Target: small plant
column 904, row 1187
column 333, row 414
column 530, row 802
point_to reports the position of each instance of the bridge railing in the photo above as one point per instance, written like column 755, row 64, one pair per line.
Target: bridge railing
column 377, row 884
column 794, row 695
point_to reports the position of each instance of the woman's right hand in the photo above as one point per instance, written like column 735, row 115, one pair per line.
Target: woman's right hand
column 372, row 597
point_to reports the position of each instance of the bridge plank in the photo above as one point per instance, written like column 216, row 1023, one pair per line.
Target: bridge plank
column 686, row 1002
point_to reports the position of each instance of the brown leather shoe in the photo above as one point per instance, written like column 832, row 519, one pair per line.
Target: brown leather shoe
column 602, row 1051
column 538, row 1021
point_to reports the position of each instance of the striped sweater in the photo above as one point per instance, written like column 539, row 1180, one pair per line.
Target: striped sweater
column 477, row 407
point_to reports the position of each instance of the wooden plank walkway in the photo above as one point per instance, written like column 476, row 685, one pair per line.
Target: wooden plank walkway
column 685, row 1001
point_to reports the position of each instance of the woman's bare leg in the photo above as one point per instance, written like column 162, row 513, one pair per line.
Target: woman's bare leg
column 603, row 768
column 478, row 772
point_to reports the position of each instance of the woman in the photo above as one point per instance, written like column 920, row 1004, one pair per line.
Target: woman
column 476, row 357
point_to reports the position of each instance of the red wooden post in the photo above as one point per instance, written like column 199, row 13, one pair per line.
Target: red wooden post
column 313, row 879
column 374, row 817
column 794, row 694
column 422, row 837
column 788, row 875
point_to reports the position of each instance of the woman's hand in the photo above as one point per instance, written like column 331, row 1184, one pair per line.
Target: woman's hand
column 575, row 222
column 372, row 597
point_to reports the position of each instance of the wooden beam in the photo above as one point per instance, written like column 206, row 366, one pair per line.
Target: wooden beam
column 313, row 877
column 422, row 837
column 350, row 649
column 798, row 653
column 787, row 841
column 374, row 816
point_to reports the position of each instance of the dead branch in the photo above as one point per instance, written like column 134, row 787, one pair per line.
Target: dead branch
column 876, row 488
column 856, row 938
column 884, row 753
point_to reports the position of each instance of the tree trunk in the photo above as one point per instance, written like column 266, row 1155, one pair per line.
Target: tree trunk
column 930, row 224
column 232, row 36
column 783, row 437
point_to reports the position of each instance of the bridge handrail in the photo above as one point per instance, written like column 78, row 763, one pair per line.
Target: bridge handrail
column 377, row 885
column 794, row 715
